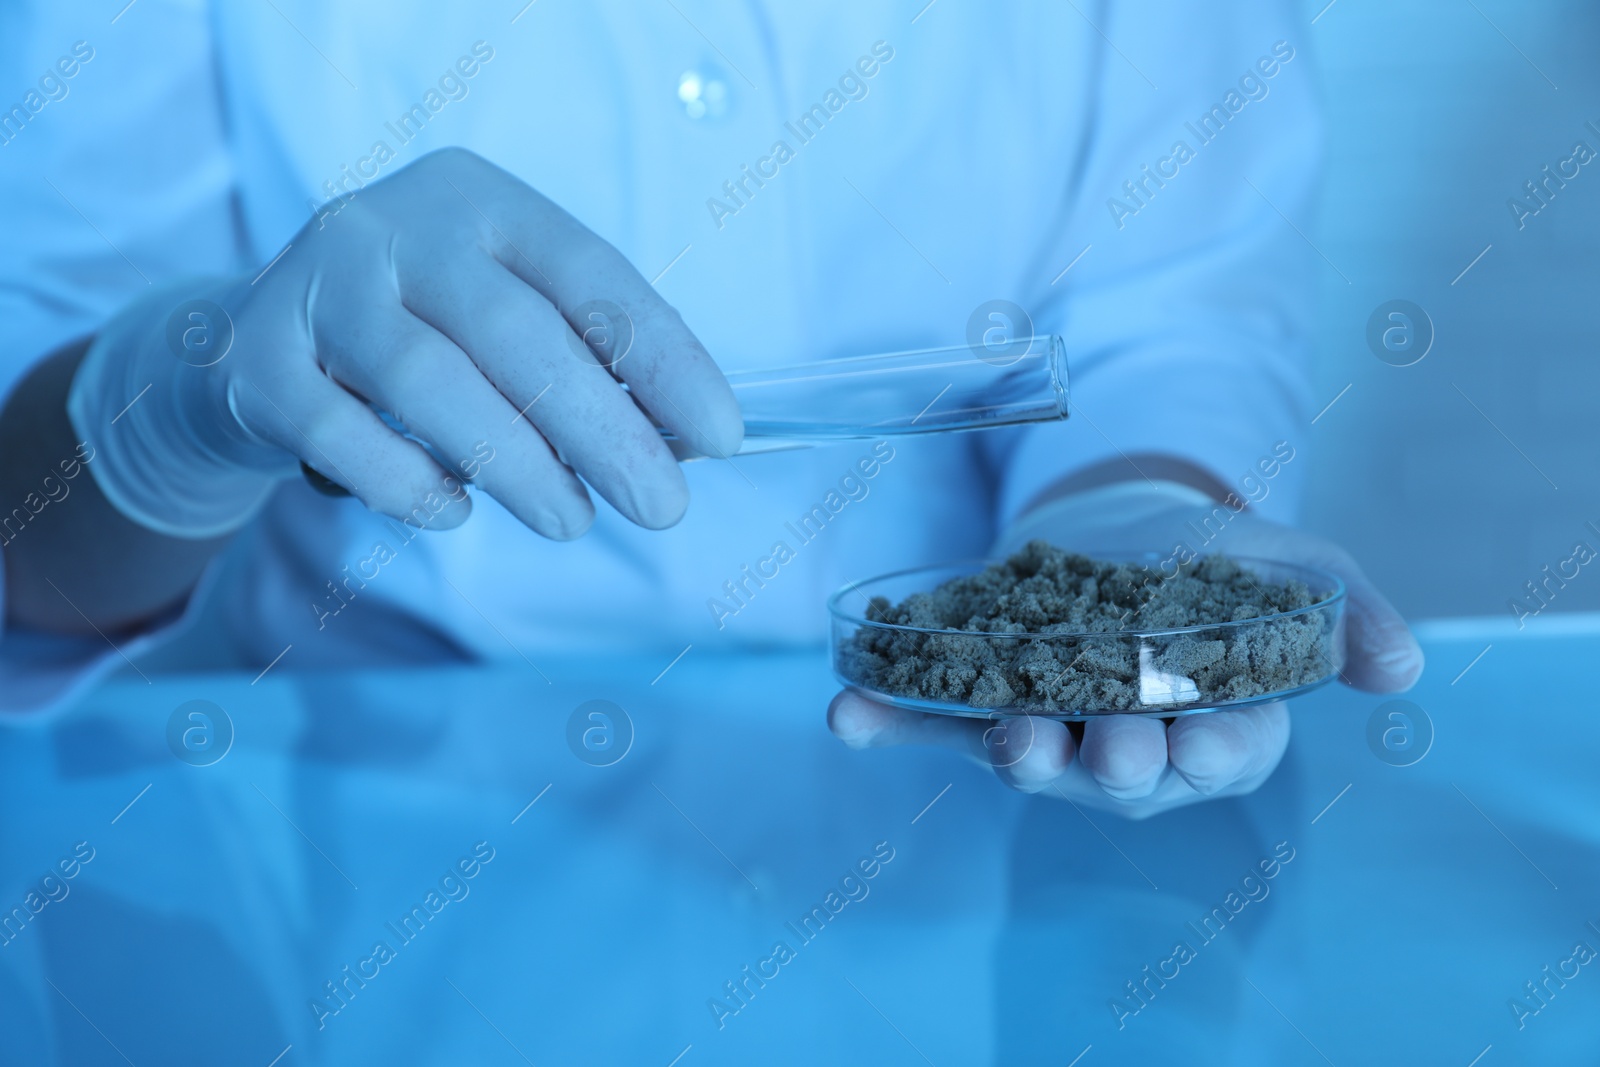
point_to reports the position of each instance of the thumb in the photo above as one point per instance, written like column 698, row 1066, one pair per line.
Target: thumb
column 1382, row 656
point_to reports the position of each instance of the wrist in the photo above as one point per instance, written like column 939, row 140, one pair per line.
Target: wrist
column 151, row 399
column 1101, row 517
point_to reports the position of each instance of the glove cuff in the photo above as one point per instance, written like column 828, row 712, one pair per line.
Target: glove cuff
column 1095, row 518
column 166, row 450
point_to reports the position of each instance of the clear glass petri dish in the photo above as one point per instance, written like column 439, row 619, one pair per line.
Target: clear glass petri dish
column 1074, row 675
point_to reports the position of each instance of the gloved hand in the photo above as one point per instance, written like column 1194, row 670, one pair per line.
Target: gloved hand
column 480, row 316
column 1137, row 765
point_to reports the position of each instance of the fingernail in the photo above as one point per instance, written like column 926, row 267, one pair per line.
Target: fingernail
column 851, row 736
column 1395, row 658
column 728, row 437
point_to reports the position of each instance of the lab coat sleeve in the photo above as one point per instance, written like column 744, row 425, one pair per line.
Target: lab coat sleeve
column 114, row 175
column 1186, row 316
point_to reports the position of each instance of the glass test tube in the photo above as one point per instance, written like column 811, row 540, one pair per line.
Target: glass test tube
column 893, row 394
column 935, row 390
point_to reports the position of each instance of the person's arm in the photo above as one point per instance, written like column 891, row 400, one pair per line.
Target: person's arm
column 1140, row 765
column 77, row 565
column 448, row 296
column 124, row 179
column 1186, row 327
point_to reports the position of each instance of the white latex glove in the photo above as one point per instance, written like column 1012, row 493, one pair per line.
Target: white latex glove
column 453, row 297
column 1137, row 765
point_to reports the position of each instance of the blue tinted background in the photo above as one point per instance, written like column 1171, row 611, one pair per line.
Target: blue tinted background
column 1434, row 120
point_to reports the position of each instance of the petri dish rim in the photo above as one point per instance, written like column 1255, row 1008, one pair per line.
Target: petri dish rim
column 1326, row 579
column 1163, row 711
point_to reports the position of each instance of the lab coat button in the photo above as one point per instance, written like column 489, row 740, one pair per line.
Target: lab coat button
column 704, row 93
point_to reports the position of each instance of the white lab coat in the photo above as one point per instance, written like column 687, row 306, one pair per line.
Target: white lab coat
column 987, row 156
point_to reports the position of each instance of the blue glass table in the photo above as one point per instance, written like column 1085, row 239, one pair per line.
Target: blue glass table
column 482, row 866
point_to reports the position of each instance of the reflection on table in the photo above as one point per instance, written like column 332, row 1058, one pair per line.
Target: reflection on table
column 469, row 866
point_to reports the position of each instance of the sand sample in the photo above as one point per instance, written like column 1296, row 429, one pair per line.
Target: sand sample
column 1044, row 590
